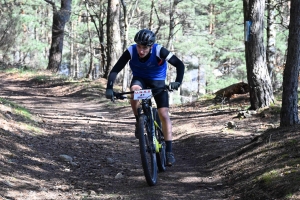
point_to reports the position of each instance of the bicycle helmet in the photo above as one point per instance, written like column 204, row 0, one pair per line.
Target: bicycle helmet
column 145, row 37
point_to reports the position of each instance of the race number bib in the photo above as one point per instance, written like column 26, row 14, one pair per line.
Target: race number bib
column 142, row 94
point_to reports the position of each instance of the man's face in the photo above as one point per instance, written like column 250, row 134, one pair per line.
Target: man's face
column 143, row 50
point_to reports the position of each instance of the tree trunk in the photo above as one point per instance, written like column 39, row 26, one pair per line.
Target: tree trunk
column 271, row 37
column 151, row 15
column 91, row 49
column 99, row 26
column 76, row 66
column 126, row 68
column 101, row 38
column 289, row 110
column 113, row 35
column 261, row 91
column 71, row 65
column 212, row 18
column 199, row 79
column 60, row 18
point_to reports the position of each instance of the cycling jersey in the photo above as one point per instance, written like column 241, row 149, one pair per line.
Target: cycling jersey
column 150, row 69
column 147, row 68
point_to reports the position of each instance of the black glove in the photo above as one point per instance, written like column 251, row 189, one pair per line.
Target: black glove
column 174, row 85
column 109, row 94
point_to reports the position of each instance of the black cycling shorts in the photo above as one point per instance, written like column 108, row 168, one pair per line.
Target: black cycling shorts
column 161, row 98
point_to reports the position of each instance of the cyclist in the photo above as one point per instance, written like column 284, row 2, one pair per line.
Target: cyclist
column 147, row 61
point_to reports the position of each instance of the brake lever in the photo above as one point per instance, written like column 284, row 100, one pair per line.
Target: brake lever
column 170, row 88
column 113, row 97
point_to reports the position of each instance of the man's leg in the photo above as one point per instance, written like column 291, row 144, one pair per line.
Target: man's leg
column 166, row 123
column 135, row 105
column 167, row 130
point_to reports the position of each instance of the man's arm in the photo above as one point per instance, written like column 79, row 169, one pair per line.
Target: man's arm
column 125, row 57
column 175, row 61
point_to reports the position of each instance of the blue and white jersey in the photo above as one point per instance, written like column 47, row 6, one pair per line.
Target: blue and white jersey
column 150, row 69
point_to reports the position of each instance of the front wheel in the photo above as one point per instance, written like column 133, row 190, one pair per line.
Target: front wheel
column 147, row 150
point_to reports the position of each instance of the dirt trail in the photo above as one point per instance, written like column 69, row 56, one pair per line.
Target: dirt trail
column 98, row 137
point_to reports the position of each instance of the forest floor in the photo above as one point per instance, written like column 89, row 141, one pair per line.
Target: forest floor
column 63, row 140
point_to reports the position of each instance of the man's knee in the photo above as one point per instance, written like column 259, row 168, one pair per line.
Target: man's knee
column 164, row 113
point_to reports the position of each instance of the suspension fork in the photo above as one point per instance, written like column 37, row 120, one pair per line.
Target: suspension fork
column 147, row 109
column 152, row 137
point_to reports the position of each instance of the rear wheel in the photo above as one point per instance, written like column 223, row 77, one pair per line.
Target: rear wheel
column 161, row 155
column 147, row 150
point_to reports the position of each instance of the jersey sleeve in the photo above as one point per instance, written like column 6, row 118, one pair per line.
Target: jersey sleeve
column 125, row 57
column 175, row 61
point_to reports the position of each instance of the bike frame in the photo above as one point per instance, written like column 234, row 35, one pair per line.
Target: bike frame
column 147, row 110
column 146, row 105
column 153, row 143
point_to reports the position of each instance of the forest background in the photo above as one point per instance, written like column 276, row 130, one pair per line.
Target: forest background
column 213, row 38
column 83, row 39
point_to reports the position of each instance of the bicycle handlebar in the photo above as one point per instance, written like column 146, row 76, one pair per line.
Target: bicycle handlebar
column 122, row 95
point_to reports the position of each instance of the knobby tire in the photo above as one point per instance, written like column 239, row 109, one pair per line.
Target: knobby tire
column 148, row 154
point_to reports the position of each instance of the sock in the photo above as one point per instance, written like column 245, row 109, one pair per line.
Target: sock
column 169, row 146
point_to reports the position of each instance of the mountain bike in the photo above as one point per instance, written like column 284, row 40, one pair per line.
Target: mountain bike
column 150, row 135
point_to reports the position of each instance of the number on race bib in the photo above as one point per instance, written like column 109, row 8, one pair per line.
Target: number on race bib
column 142, row 94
